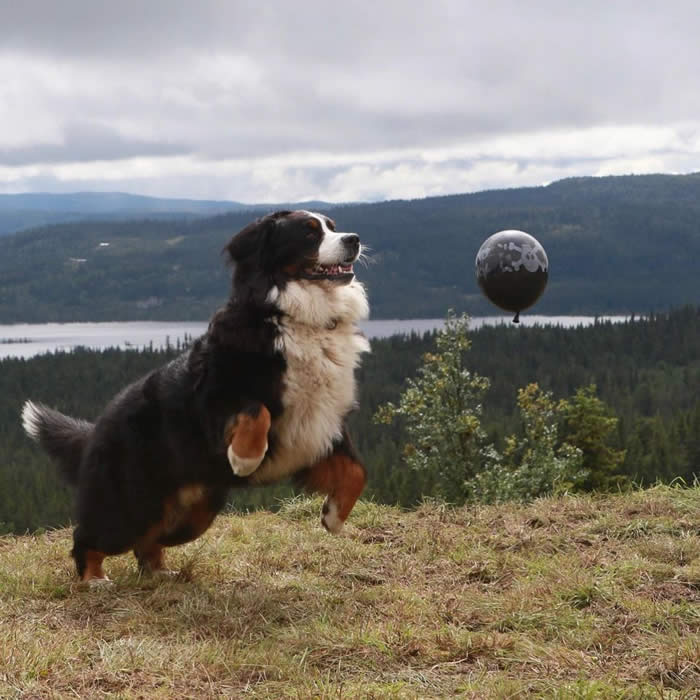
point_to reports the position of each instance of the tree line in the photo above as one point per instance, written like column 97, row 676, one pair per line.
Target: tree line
column 636, row 383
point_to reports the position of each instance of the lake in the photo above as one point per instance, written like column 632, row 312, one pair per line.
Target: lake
column 26, row 340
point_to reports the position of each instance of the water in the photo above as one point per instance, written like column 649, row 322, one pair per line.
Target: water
column 27, row 340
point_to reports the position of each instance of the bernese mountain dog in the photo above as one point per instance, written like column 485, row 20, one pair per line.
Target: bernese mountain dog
column 262, row 396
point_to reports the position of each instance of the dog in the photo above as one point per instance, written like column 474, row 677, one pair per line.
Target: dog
column 262, row 396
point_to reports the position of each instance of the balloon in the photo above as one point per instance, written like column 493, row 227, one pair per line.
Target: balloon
column 512, row 270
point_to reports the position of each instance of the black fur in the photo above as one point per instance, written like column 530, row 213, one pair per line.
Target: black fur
column 166, row 430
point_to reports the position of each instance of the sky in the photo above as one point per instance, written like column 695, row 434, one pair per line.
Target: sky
column 280, row 101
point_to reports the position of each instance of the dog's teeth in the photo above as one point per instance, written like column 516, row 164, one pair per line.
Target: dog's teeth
column 332, row 269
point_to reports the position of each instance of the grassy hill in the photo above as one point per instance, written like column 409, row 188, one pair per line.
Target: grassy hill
column 615, row 244
column 585, row 597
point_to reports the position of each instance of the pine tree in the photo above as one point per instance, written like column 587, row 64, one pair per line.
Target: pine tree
column 588, row 426
column 441, row 409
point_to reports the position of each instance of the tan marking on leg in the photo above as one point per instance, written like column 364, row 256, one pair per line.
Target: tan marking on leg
column 199, row 519
column 247, row 438
column 249, row 434
column 193, row 523
column 189, row 495
column 343, row 479
column 93, row 566
column 147, row 550
column 179, row 524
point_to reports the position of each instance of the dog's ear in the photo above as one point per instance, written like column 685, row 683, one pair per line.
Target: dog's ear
column 250, row 243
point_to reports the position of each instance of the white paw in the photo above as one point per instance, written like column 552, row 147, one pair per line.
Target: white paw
column 100, row 582
column 242, row 466
column 329, row 517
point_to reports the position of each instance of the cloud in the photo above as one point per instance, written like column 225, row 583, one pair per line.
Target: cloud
column 85, row 143
column 279, row 101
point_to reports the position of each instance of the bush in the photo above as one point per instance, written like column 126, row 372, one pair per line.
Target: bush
column 441, row 410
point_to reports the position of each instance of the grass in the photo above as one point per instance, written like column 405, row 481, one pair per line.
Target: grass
column 569, row 597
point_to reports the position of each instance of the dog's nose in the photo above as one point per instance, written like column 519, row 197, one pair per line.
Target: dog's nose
column 351, row 241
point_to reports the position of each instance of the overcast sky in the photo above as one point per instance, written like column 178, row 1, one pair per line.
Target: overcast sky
column 269, row 101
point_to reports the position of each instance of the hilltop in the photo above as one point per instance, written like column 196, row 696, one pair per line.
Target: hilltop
column 570, row 597
column 31, row 209
column 616, row 245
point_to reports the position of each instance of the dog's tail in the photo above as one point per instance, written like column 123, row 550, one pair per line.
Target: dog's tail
column 61, row 436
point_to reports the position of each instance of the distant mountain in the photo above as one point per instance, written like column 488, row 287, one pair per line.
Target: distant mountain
column 615, row 245
column 110, row 203
column 28, row 210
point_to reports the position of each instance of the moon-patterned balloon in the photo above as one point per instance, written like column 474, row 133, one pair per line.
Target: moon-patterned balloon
column 512, row 270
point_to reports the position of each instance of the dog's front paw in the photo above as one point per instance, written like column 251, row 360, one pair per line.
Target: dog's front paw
column 99, row 582
column 330, row 518
column 243, row 466
column 246, row 435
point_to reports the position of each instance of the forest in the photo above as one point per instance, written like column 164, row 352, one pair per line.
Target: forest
column 646, row 373
column 616, row 245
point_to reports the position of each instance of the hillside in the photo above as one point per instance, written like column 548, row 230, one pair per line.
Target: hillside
column 23, row 211
column 28, row 210
column 568, row 597
column 616, row 245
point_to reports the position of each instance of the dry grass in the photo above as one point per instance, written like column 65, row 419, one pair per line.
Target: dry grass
column 565, row 598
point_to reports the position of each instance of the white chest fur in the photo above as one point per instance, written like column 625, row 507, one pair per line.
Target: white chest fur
column 319, row 381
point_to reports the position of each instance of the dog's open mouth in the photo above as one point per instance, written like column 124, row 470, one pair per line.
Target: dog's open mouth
column 337, row 271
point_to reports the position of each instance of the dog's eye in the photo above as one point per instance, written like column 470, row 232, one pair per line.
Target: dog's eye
column 314, row 229
column 331, row 224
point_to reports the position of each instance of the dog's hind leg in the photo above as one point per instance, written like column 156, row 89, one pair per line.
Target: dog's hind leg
column 148, row 548
column 186, row 516
column 149, row 556
column 246, row 436
column 89, row 553
column 341, row 476
column 89, row 564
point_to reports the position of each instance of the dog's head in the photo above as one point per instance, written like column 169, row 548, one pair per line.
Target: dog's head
column 295, row 245
column 297, row 262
